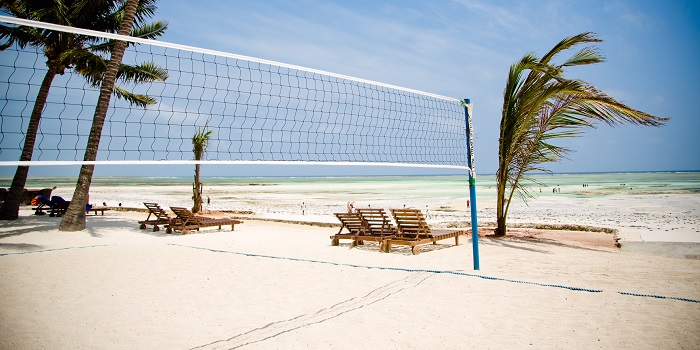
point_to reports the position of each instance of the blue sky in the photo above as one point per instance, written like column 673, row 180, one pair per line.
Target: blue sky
column 463, row 49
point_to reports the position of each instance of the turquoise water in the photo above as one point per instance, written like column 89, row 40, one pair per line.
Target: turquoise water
column 444, row 187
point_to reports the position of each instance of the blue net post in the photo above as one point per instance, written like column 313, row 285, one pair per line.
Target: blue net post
column 472, row 181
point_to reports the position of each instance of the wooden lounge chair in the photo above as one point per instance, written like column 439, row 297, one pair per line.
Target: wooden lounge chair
column 376, row 226
column 414, row 231
column 350, row 221
column 42, row 204
column 160, row 217
column 186, row 220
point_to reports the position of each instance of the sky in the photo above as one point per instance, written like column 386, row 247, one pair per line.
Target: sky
column 463, row 49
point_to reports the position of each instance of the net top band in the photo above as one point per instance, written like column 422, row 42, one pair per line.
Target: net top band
column 58, row 27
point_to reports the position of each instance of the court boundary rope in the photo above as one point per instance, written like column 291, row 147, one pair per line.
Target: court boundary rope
column 433, row 271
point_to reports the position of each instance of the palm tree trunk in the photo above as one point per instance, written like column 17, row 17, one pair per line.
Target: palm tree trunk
column 10, row 207
column 501, row 209
column 74, row 220
column 197, row 188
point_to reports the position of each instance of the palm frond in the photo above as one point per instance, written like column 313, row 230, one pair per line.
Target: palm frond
column 142, row 73
column 200, row 141
column 86, row 63
column 10, row 35
column 150, row 30
column 567, row 43
column 587, row 55
column 134, row 99
column 542, row 106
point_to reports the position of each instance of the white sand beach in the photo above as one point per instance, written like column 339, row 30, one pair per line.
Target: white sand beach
column 272, row 285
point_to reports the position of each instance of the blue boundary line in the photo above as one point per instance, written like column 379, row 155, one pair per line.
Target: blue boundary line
column 53, row 250
column 659, row 297
column 576, row 289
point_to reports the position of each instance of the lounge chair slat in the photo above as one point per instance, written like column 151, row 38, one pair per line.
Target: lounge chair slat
column 413, row 231
column 186, row 220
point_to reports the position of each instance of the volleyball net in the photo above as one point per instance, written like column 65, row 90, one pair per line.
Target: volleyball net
column 259, row 111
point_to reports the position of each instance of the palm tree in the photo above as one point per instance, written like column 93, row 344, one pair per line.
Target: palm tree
column 541, row 105
column 200, row 140
column 66, row 51
column 74, row 219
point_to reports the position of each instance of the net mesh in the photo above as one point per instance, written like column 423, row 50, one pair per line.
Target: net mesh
column 257, row 111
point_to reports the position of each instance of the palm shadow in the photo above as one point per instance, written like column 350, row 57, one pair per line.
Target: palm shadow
column 512, row 241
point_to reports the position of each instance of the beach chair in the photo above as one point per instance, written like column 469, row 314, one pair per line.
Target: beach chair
column 160, row 217
column 350, row 221
column 42, row 204
column 58, row 206
column 376, row 226
column 413, row 231
column 185, row 221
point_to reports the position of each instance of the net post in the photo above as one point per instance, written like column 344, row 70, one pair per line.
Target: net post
column 472, row 180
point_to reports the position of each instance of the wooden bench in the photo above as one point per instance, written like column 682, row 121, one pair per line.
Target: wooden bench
column 98, row 209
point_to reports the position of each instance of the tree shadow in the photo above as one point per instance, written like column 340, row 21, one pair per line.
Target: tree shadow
column 397, row 249
column 537, row 241
column 508, row 243
column 22, row 247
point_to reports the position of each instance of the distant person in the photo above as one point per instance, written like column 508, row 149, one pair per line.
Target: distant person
column 468, row 202
column 427, row 212
column 104, row 204
column 349, row 207
column 303, row 208
column 120, row 204
column 208, row 200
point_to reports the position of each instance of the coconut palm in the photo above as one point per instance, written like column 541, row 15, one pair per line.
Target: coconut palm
column 81, row 53
column 200, row 140
column 541, row 105
column 74, row 219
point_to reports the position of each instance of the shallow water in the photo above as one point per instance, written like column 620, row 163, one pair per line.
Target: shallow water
column 408, row 187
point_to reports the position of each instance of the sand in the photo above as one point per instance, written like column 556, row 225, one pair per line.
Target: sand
column 272, row 285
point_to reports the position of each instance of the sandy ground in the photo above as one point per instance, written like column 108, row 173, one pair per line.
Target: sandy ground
column 270, row 285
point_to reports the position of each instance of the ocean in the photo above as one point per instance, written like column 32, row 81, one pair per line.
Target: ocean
column 662, row 206
column 415, row 187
